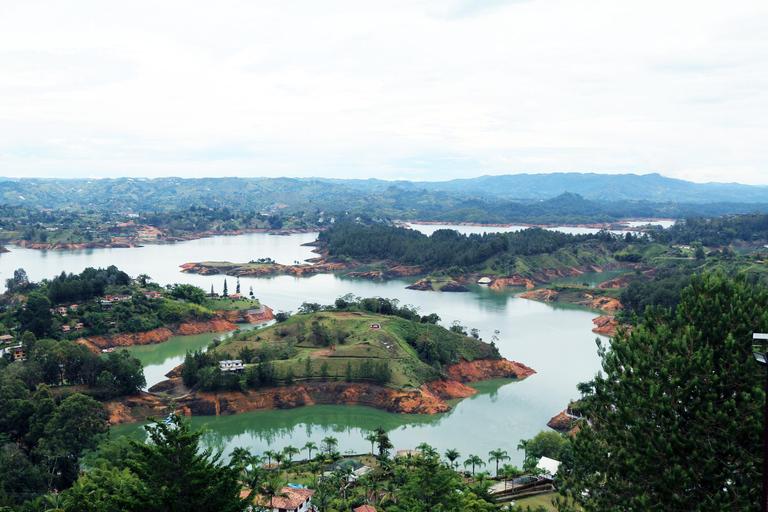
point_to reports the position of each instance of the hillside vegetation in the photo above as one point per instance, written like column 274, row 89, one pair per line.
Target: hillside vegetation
column 339, row 344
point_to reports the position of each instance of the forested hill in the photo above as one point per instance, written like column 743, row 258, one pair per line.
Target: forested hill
column 485, row 201
column 598, row 187
column 448, row 248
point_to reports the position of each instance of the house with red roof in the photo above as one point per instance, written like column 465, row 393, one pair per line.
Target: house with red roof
column 364, row 508
column 292, row 500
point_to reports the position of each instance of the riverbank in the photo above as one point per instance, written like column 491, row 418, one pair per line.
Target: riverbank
column 620, row 225
column 224, row 322
column 139, row 241
column 430, row 398
column 605, row 299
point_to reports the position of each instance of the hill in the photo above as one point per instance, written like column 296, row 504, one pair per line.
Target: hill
column 345, row 355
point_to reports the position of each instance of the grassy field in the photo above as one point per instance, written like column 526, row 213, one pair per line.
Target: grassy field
column 329, row 344
column 223, row 304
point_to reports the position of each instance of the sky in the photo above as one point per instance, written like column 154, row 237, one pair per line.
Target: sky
column 418, row 90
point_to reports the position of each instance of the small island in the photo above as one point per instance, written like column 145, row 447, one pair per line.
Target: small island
column 368, row 352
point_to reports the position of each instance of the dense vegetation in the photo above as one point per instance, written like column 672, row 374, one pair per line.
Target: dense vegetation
column 750, row 228
column 272, row 201
column 448, row 248
column 406, row 350
column 30, row 304
column 676, row 416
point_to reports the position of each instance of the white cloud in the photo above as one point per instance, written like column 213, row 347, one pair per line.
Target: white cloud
column 428, row 89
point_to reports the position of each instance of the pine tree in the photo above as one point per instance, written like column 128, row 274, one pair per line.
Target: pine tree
column 225, row 293
column 179, row 477
column 211, row 290
column 677, row 413
column 237, row 289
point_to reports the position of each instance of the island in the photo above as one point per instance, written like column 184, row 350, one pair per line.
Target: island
column 343, row 355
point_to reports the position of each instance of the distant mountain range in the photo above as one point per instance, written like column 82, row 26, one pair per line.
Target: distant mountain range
column 537, row 198
column 598, row 187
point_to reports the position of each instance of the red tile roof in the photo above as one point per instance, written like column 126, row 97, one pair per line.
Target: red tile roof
column 293, row 501
column 364, row 508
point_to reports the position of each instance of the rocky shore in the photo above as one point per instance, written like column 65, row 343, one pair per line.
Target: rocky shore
column 579, row 298
column 428, row 399
column 223, row 323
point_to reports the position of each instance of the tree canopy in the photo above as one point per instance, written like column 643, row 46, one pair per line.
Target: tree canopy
column 677, row 414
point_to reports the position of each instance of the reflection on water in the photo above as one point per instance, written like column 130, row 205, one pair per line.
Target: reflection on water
column 261, row 430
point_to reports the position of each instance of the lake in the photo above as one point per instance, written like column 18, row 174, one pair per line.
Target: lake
column 555, row 340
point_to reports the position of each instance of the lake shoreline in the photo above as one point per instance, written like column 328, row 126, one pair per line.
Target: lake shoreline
column 430, row 398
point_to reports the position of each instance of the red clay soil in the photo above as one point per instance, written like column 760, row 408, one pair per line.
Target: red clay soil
column 606, row 325
column 587, row 300
column 561, row 422
column 428, row 399
column 465, row 371
column 97, row 343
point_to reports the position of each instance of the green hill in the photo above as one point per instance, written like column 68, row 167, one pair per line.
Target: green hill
column 354, row 346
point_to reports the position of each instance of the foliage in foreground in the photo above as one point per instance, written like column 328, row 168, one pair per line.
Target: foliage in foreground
column 677, row 414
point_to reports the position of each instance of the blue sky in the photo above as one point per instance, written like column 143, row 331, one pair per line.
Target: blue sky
column 420, row 89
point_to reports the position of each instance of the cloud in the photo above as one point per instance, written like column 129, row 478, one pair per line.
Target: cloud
column 356, row 89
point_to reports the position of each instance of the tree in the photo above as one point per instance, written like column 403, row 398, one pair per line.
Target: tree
column 37, row 318
column 225, row 293
column 372, row 437
column 474, row 460
column 677, row 412
column 237, row 288
column 384, row 443
column 290, row 451
column 309, row 446
column 178, row 476
column 330, row 444
column 73, row 428
column 452, row 454
column 188, row 292
column 498, row 455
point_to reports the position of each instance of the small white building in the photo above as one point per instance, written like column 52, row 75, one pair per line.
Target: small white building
column 550, row 466
column 232, row 365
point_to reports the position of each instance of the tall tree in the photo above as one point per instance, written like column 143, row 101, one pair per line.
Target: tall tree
column 498, row 455
column 179, row 476
column 225, row 293
column 474, row 460
column 677, row 412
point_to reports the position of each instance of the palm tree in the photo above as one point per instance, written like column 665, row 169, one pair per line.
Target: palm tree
column 330, row 443
column 309, row 447
column 452, row 455
column 290, row 451
column 269, row 454
column 272, row 488
column 314, row 468
column 372, row 438
column 473, row 460
column 239, row 456
column 498, row 455
column 279, row 456
column 510, row 473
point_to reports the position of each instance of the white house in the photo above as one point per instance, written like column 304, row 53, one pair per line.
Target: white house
column 233, row 365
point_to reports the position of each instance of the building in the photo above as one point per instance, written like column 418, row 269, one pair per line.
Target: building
column 73, row 307
column 153, row 295
column 6, row 338
column 233, row 365
column 293, row 500
column 365, row 508
column 65, row 328
column 356, row 469
column 79, row 326
column 62, row 310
